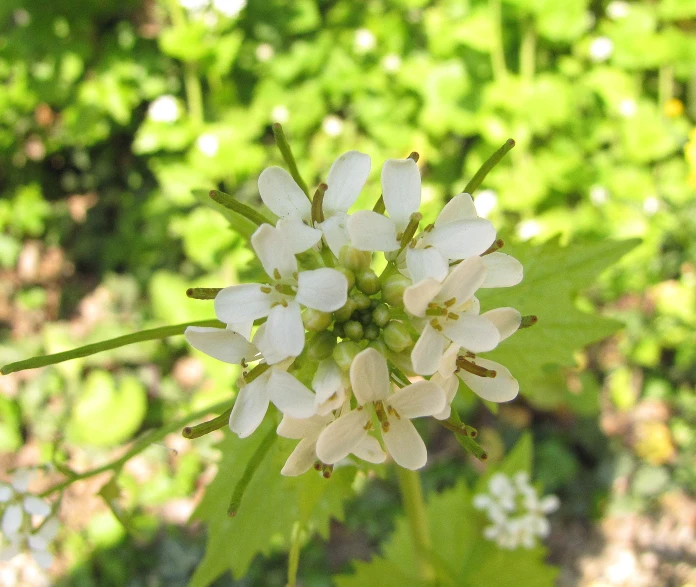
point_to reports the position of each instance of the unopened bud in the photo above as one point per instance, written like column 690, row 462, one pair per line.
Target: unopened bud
column 346, row 311
column 528, row 321
column 354, row 259
column 396, row 336
column 371, row 332
column 379, row 346
column 316, row 320
column 338, row 330
column 353, row 329
column 361, row 301
column 381, row 315
column 350, row 276
column 344, row 353
column 367, row 282
column 321, row 345
column 393, row 290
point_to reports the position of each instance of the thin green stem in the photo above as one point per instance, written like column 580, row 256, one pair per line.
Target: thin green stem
column 249, row 471
column 138, row 446
column 691, row 95
column 665, row 85
column 528, row 50
column 105, row 345
column 497, row 48
column 235, row 205
column 284, row 148
column 492, row 161
column 414, row 506
column 294, row 554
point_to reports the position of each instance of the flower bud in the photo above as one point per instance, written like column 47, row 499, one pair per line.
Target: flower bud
column 396, row 336
column 379, row 345
column 381, row 315
column 350, row 276
column 344, row 353
column 316, row 320
column 393, row 290
column 346, row 311
column 365, row 317
column 321, row 345
column 354, row 259
column 361, row 301
column 338, row 330
column 353, row 329
column 367, row 282
column 371, row 332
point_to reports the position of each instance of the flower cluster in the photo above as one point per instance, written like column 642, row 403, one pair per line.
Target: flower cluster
column 517, row 515
column 27, row 523
column 335, row 342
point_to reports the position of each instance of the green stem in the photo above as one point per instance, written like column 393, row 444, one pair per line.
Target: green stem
column 498, row 48
column 691, row 95
column 665, row 88
column 492, row 161
column 294, row 554
column 105, row 345
column 235, row 205
column 414, row 506
column 249, row 471
column 284, row 148
column 138, row 446
column 528, row 51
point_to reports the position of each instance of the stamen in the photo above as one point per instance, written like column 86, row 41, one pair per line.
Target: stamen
column 450, row 302
column 474, row 368
column 436, row 325
column 318, row 203
column 284, row 303
column 276, row 273
column 436, row 312
column 266, row 289
column 453, row 316
column 496, row 246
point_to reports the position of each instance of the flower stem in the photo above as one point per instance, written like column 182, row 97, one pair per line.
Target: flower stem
column 498, row 48
column 294, row 555
column 104, row 345
column 284, row 148
column 414, row 506
column 490, row 163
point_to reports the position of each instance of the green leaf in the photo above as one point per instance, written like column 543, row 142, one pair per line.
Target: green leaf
column 270, row 506
column 553, row 278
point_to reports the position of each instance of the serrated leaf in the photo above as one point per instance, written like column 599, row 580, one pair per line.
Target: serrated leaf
column 553, row 278
column 460, row 554
column 271, row 505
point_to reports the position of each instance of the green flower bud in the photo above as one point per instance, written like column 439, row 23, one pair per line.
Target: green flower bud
column 354, row 259
column 381, row 315
column 353, row 329
column 396, row 336
column 365, row 317
column 393, row 290
column 362, row 302
column 379, row 345
column 367, row 282
column 316, row 320
column 350, row 276
column 344, row 353
column 371, row 332
column 321, row 345
column 338, row 330
column 346, row 311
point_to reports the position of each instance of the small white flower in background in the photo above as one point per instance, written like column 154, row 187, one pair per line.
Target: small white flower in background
column 164, row 109
column 194, row 5
column 280, row 114
column 651, row 205
column 628, row 108
column 599, row 195
column 365, row 41
column 517, row 515
column 229, row 8
column 265, row 52
column 208, row 144
column 27, row 524
column 21, row 17
column 391, row 63
column 528, row 229
column 332, row 125
column 601, row 48
column 618, row 9
column 485, row 203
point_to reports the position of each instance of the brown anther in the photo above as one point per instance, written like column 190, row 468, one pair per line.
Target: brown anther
column 449, row 303
column 474, row 368
column 385, row 426
column 429, row 228
column 453, row 316
column 278, row 287
column 276, row 273
column 243, row 364
column 496, row 246
column 318, row 466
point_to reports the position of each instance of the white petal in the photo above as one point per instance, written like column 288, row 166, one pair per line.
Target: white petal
column 243, row 328
column 49, row 529
column 502, row 270
column 463, row 280
column 282, row 195
column 370, row 231
column 335, row 229
column 424, row 263
column 12, row 519
column 462, row 239
column 501, row 388
column 289, row 395
column 302, row 427
column 45, row 559
column 419, row 399
column 328, row 382
column 448, row 365
column 299, row 235
column 322, row 289
column 506, row 320
column 9, row 552
column 265, row 344
column 461, row 207
column 427, row 352
column 221, row 344
column 301, row 459
column 20, row 480
column 239, row 303
column 285, row 330
column 369, row 450
column 449, row 386
column 474, row 333
column 347, row 177
column 274, row 251
column 401, row 190
column 5, row 493
column 250, row 407
column 405, row 444
column 549, row 503
column 418, row 296
column 36, row 506
column 342, row 436
column 369, row 376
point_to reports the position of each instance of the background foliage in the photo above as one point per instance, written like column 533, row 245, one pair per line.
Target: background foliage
column 101, row 234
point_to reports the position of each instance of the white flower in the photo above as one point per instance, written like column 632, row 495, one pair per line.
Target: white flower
column 599, row 195
column 164, row 109
column 391, row 63
column 194, row 5
column 280, row 114
column 618, row 9
column 265, row 52
column 322, row 289
column 528, row 229
column 229, row 8
column 365, row 41
column 332, row 125
column 286, row 199
column 628, row 108
column 601, row 48
column 651, row 205
column 517, row 515
column 208, row 144
column 369, row 377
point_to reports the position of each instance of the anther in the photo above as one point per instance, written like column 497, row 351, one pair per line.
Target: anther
column 266, row 289
column 276, row 273
column 453, row 316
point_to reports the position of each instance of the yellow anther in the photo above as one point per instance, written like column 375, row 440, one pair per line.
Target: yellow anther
column 453, row 316
column 450, row 302
column 266, row 289
column 436, row 325
column 276, row 273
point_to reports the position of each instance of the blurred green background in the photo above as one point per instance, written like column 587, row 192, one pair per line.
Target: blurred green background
column 111, row 112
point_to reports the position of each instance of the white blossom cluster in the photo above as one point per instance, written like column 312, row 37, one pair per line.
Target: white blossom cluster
column 28, row 523
column 517, row 515
column 335, row 343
